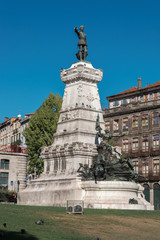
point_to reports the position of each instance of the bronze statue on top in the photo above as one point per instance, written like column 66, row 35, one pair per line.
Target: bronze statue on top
column 82, row 44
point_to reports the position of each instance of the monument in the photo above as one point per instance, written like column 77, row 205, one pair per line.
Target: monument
column 73, row 168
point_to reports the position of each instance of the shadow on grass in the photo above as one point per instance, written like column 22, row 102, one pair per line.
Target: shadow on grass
column 6, row 235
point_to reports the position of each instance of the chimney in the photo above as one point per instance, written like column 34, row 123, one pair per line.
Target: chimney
column 6, row 118
column 139, row 83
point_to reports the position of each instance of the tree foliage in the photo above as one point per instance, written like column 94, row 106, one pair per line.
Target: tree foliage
column 39, row 133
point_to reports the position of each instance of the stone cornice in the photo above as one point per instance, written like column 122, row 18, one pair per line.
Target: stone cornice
column 81, row 72
column 132, row 108
column 138, row 92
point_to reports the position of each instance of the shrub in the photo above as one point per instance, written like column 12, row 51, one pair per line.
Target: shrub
column 6, row 196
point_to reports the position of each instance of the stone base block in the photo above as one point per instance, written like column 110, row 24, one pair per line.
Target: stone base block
column 51, row 192
column 103, row 195
column 114, row 195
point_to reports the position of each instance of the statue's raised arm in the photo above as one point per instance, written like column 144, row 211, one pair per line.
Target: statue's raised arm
column 82, row 44
column 76, row 30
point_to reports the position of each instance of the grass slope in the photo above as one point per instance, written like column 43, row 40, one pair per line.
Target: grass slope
column 105, row 224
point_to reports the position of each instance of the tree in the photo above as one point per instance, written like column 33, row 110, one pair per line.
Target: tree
column 39, row 133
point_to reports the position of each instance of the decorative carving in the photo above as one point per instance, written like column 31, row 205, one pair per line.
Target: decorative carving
column 90, row 97
column 80, row 90
column 69, row 115
column 81, row 72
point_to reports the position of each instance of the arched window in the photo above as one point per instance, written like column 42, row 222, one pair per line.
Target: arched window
column 146, row 192
column 156, row 190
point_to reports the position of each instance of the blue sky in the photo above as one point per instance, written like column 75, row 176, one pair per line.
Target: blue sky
column 37, row 39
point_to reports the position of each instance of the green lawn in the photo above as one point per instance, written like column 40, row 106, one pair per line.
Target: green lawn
column 105, row 224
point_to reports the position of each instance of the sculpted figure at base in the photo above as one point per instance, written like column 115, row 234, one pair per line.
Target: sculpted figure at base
column 110, row 164
column 82, row 44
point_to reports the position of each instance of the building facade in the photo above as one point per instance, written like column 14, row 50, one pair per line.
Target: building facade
column 13, row 157
column 13, row 169
column 12, row 129
column 24, row 124
column 134, row 116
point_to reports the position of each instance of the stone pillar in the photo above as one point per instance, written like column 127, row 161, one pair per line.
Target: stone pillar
column 74, row 141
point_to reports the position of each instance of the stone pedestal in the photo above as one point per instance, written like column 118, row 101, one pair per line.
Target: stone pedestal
column 52, row 191
column 114, row 195
column 74, row 141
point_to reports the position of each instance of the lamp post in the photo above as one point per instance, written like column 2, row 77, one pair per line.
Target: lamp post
column 17, row 183
column 35, row 172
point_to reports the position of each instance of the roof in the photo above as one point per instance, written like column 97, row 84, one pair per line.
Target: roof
column 28, row 114
column 153, row 85
column 13, row 119
column 134, row 89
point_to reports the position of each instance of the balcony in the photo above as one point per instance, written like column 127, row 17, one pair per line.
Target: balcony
column 12, row 148
column 134, row 153
column 125, row 129
column 116, row 131
column 155, row 151
column 144, row 152
column 149, row 177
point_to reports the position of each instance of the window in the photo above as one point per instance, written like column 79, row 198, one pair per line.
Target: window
column 135, row 122
column 155, row 118
column 135, row 165
column 3, row 179
column 107, row 125
column 124, row 101
column 115, row 125
column 158, row 95
column 144, row 167
column 116, row 103
column 156, row 141
column 145, row 144
column 135, row 144
column 133, row 99
column 111, row 104
column 125, row 145
column 150, row 96
column 125, row 124
column 4, row 164
column 155, row 166
column 145, row 120
column 142, row 98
